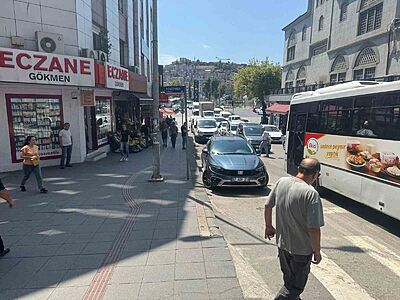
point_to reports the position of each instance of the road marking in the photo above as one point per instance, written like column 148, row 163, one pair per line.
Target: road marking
column 252, row 284
column 377, row 251
column 337, row 281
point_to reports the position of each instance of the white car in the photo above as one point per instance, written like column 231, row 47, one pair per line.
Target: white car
column 217, row 112
column 223, row 128
column 204, row 129
column 208, row 114
column 274, row 132
column 232, row 118
column 234, row 126
column 225, row 114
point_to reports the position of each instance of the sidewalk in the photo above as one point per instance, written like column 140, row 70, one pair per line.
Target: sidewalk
column 105, row 232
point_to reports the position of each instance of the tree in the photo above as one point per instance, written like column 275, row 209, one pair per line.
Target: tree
column 211, row 83
column 257, row 80
column 175, row 82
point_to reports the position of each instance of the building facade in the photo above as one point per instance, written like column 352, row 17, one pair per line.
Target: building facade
column 340, row 40
column 86, row 62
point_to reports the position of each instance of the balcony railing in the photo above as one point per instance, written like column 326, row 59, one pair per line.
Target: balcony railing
column 313, row 87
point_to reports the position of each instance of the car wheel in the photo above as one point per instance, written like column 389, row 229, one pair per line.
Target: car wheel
column 207, row 181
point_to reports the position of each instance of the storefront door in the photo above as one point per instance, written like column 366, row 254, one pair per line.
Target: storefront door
column 90, row 129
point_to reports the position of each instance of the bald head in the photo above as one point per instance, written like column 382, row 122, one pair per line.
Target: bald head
column 309, row 166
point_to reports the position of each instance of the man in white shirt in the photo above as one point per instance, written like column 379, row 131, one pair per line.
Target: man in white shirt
column 65, row 138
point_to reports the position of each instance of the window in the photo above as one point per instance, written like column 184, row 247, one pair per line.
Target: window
column 289, row 79
column 123, row 53
column 317, row 50
column 304, row 33
column 370, row 19
column 291, row 46
column 321, row 23
column 365, row 65
column 37, row 115
column 338, row 70
column 343, row 11
column 366, row 3
column 121, row 6
column 103, row 120
column 301, row 77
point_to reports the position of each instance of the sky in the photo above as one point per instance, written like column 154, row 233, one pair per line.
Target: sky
column 234, row 29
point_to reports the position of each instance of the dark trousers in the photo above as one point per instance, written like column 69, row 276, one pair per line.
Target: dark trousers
column 66, row 153
column 173, row 140
column 164, row 136
column 184, row 141
column 295, row 269
column 28, row 170
column 1, row 245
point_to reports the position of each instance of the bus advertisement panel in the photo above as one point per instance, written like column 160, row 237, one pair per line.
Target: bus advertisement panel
column 369, row 156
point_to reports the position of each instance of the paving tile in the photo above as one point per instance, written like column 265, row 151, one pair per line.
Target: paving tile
column 144, row 225
column 190, row 271
column 216, row 254
column 26, row 294
column 79, row 238
column 139, row 245
column 224, row 288
column 103, row 237
column 163, row 244
column 219, row 269
column 213, row 242
column 191, row 289
column 167, row 224
column 127, row 275
column 131, row 258
column 88, row 261
column 97, row 248
column 63, row 293
column 164, row 233
column 60, row 262
column 189, row 255
column 71, row 249
column 55, row 239
column 33, row 251
column 161, row 257
column 122, row 292
column 77, row 277
column 30, row 240
column 158, row 290
column 159, row 273
column 146, row 234
column 6, row 264
column 46, row 278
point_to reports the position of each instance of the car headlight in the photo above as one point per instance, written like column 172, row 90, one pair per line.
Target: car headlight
column 260, row 168
column 199, row 132
column 215, row 168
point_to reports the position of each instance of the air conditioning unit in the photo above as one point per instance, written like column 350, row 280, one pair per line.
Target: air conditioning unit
column 89, row 53
column 101, row 56
column 50, row 42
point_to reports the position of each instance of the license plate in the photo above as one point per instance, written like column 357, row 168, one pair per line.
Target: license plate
column 238, row 179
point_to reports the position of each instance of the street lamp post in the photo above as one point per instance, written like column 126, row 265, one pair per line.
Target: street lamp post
column 156, row 102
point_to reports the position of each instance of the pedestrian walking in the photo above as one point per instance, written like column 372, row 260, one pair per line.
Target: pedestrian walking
column 168, row 120
column 164, row 133
column 31, row 163
column 6, row 196
column 65, row 139
column 299, row 216
column 184, row 133
column 265, row 145
column 124, row 144
column 173, row 132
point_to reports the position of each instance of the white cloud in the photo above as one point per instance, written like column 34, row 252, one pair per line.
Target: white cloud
column 205, row 46
column 166, row 59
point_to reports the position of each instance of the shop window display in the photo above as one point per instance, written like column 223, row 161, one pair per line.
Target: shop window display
column 103, row 120
column 40, row 116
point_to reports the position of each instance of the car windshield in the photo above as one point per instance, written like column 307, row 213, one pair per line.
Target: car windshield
column 207, row 123
column 231, row 147
column 234, row 127
column 235, row 117
column 253, row 131
column 271, row 129
column 224, row 124
column 220, row 119
column 208, row 113
column 196, row 106
column 195, row 113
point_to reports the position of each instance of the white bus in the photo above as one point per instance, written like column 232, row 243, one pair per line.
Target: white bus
column 353, row 129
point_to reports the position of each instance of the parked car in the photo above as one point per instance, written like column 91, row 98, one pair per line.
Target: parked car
column 252, row 133
column 274, row 132
column 204, row 129
column 231, row 161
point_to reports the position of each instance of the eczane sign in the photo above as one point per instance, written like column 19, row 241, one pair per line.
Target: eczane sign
column 45, row 68
column 117, row 77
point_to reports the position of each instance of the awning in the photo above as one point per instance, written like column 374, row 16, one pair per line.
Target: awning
column 167, row 111
column 278, row 108
column 145, row 100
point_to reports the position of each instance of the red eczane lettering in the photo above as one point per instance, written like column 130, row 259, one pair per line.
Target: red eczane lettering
column 40, row 62
column 19, row 62
column 55, row 64
column 70, row 64
column 4, row 59
column 85, row 67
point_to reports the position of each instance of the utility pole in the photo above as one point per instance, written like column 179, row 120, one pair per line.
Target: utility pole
column 156, row 101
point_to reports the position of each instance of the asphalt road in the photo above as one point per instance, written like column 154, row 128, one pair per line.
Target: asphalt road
column 361, row 247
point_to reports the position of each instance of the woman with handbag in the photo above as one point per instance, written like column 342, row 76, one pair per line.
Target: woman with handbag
column 31, row 163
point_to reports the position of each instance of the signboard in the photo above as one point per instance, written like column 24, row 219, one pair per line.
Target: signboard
column 45, row 68
column 364, row 155
column 174, row 90
column 87, row 98
column 117, row 77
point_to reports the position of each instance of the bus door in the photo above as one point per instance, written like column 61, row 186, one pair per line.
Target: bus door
column 297, row 128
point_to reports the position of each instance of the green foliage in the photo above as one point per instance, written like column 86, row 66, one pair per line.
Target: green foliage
column 258, row 79
column 105, row 42
column 175, row 82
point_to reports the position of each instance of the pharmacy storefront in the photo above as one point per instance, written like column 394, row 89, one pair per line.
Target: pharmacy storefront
column 39, row 92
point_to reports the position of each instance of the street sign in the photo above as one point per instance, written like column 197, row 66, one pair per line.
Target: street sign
column 174, row 90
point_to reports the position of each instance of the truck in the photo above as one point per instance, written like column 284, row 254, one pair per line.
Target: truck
column 206, row 107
